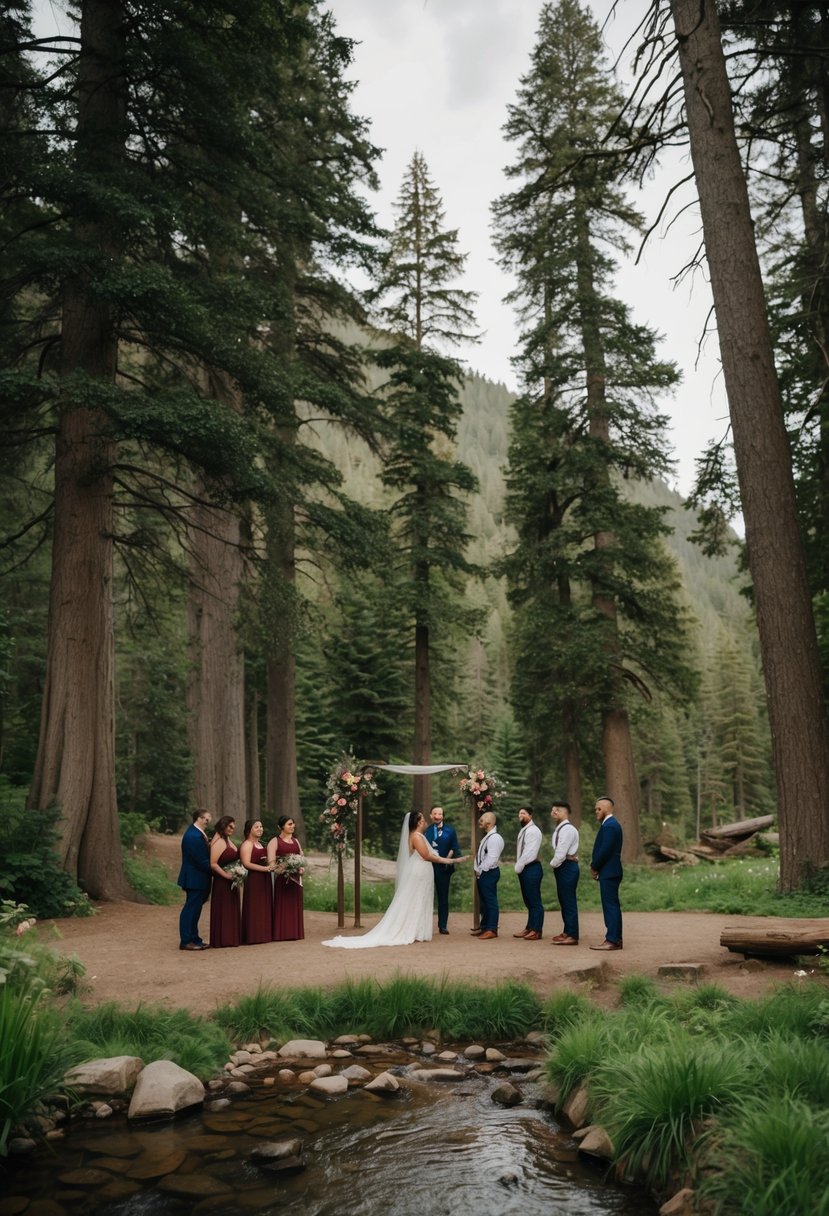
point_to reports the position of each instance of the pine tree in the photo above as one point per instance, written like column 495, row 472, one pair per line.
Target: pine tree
column 587, row 418
column 425, row 314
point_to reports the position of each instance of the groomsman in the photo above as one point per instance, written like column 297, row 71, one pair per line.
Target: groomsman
column 444, row 839
column 530, row 872
column 606, row 868
column 565, row 865
column 488, row 872
column 194, row 878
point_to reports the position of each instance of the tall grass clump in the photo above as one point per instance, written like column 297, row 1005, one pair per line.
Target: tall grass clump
column 578, row 1054
column 770, row 1160
column 654, row 1100
column 564, row 1008
column 791, row 1067
column 33, row 1054
column 792, row 1010
column 151, row 1032
column 638, row 992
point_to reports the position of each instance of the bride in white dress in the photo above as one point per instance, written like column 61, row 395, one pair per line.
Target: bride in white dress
column 408, row 917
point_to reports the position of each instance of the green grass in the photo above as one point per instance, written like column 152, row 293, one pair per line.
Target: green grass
column 34, row 1053
column 770, row 1160
column 149, row 879
column 151, row 1032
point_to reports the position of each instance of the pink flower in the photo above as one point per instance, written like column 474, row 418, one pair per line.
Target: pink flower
column 341, row 802
column 480, row 774
column 484, row 785
column 354, row 789
column 25, row 926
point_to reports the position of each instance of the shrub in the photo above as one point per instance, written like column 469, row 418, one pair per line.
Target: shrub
column 31, row 865
column 33, row 1054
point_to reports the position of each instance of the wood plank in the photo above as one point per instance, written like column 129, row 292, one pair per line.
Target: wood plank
column 743, row 827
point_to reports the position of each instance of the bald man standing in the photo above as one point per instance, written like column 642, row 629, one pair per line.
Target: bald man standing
column 488, row 872
column 606, row 869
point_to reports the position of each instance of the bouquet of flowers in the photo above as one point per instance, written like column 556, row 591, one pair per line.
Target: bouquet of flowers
column 344, row 787
column 290, row 866
column 239, row 873
column 479, row 788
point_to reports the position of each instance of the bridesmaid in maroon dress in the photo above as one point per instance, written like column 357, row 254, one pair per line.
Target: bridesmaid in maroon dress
column 257, row 902
column 287, row 901
column 225, row 905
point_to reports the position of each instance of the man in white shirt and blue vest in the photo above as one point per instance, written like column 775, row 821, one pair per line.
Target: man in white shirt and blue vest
column 530, row 873
column 488, row 872
column 565, row 865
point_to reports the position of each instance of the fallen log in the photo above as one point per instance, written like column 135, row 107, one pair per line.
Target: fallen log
column 743, row 827
column 776, row 936
column 677, row 855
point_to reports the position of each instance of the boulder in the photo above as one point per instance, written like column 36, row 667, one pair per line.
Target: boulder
column 385, row 1083
column 163, row 1089
column 448, row 1057
column 116, row 1075
column 238, row 1088
column 506, row 1094
column 575, row 1107
column 356, row 1072
column 494, row 1056
column 596, row 1142
column 303, row 1049
column 286, row 1076
column 347, row 1040
column 439, row 1074
column 474, row 1051
column 681, row 1204
column 276, row 1150
column 341, row 1054
column 323, row 1070
column 331, row 1087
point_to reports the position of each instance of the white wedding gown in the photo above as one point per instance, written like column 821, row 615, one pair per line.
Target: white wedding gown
column 408, row 917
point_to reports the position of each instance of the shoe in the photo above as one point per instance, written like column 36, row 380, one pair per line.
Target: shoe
column 476, row 932
column 559, row 937
column 564, row 940
column 443, row 930
column 523, row 933
column 608, row 946
column 192, row 946
column 485, row 937
column 532, row 936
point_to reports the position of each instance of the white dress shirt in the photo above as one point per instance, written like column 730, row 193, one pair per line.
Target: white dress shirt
column 527, row 846
column 565, row 843
column 489, row 852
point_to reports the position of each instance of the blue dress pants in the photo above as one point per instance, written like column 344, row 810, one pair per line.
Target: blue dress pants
column 188, row 921
column 567, row 880
column 488, row 895
column 530, row 882
column 611, row 908
column 443, row 877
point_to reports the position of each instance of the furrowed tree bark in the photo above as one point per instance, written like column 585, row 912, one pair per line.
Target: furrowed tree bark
column 216, row 688
column 617, row 748
column 75, row 762
column 784, row 611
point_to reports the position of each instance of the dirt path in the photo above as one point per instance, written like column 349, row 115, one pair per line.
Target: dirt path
column 131, row 954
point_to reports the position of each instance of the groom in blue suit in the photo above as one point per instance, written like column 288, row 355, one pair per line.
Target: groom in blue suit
column 194, row 878
column 606, row 868
column 444, row 840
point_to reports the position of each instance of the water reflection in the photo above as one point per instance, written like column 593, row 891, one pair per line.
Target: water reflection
column 434, row 1149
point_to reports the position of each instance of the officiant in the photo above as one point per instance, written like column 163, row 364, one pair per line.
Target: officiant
column 444, row 839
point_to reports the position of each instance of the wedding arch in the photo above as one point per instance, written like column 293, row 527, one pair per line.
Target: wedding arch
column 351, row 781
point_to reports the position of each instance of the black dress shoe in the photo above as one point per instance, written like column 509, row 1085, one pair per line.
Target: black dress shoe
column 443, row 931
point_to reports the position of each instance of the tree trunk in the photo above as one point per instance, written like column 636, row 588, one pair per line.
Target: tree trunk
column 617, row 746
column 253, row 784
column 216, row 689
column 422, row 705
column 572, row 768
column 775, row 555
column 280, row 750
column 75, row 763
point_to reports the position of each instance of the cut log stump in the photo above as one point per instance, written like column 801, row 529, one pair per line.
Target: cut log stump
column 776, row 937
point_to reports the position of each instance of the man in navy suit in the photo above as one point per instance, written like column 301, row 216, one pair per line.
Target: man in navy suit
column 444, row 839
column 606, row 868
column 194, row 878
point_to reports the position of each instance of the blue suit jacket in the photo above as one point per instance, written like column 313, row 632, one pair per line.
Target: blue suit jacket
column 195, row 873
column 448, row 842
column 607, row 851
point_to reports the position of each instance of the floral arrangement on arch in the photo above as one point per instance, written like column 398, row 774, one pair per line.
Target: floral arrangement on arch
column 345, row 784
column 480, row 788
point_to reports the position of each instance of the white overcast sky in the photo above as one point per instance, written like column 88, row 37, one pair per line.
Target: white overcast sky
column 437, row 75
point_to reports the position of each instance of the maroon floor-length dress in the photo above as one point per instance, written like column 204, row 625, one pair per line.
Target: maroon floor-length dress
column 257, row 902
column 288, row 924
column 225, row 905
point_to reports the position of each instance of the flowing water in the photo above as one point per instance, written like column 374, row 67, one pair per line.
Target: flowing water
column 434, row 1149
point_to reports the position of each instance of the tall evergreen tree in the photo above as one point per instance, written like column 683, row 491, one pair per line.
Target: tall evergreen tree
column 426, row 315
column 587, row 417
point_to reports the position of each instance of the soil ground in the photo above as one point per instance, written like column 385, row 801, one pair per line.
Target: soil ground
column 131, row 953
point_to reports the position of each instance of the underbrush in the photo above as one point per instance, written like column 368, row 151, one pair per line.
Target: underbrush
column 699, row 1084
